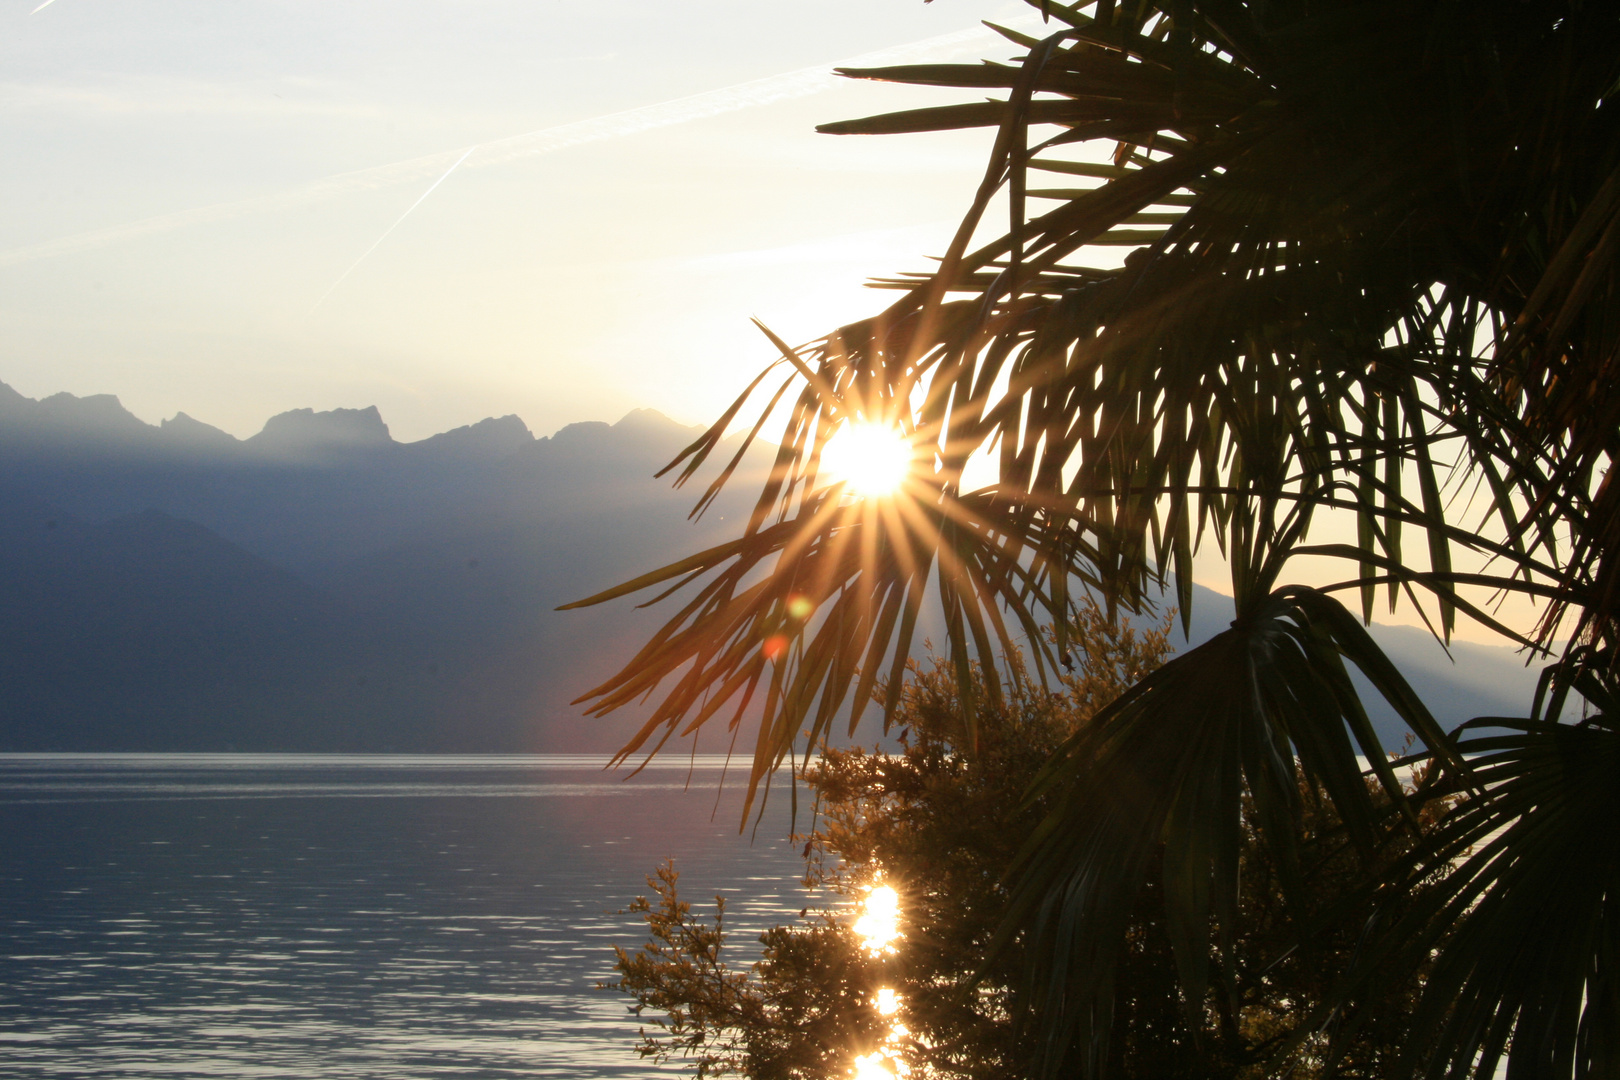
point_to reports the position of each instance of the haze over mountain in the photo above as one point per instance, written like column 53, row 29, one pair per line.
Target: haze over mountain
column 320, row 586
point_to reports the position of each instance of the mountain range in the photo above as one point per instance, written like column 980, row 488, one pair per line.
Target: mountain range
column 321, row 587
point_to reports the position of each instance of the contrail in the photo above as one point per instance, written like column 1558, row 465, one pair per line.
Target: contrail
column 792, row 84
column 42, row 7
column 333, row 287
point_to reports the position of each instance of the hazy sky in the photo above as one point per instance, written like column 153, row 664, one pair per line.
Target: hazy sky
column 203, row 205
column 190, row 179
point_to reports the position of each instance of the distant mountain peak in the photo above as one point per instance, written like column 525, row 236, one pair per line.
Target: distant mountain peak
column 490, row 437
column 338, row 429
column 648, row 418
column 104, row 409
column 184, row 428
column 67, row 419
column 579, row 429
column 636, row 422
column 11, row 401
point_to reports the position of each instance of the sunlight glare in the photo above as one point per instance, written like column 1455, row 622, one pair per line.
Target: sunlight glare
column 879, row 921
column 871, row 458
column 887, row 1002
column 874, row 1067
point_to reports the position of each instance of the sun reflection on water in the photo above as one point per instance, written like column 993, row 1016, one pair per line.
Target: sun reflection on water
column 876, row 1066
column 878, row 926
column 879, row 921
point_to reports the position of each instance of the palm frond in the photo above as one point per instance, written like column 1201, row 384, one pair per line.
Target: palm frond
column 1158, row 778
column 1374, row 266
column 1524, row 930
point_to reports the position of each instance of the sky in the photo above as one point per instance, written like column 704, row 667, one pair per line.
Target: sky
column 451, row 211
column 455, row 210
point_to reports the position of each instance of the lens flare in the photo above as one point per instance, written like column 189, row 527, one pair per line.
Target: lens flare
column 879, row 921
column 872, row 459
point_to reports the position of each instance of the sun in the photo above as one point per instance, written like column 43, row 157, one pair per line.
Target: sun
column 872, row 459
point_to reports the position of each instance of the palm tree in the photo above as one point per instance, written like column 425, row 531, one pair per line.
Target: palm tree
column 1367, row 320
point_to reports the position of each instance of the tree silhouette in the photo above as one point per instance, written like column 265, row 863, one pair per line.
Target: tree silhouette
column 1367, row 322
column 941, row 828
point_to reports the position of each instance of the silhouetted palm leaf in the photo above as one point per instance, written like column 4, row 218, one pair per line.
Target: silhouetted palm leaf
column 1159, row 776
column 1526, row 926
column 1375, row 277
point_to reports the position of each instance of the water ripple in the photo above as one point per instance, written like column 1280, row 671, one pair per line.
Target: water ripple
column 345, row 916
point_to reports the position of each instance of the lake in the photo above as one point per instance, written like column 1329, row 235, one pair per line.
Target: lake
column 336, row 916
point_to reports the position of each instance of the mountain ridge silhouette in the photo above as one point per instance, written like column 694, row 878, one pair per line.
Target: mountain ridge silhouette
column 322, row 586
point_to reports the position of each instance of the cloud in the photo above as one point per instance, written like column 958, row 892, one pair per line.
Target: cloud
column 757, row 92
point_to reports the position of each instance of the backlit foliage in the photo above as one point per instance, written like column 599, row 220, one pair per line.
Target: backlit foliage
column 941, row 828
column 1367, row 321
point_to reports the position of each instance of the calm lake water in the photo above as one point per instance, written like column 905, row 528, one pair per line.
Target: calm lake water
column 348, row 916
